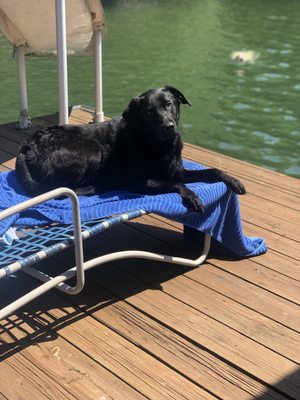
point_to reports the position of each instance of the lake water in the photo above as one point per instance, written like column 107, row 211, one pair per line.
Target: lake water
column 247, row 110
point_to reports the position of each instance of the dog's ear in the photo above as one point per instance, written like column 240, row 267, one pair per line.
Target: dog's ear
column 132, row 111
column 180, row 97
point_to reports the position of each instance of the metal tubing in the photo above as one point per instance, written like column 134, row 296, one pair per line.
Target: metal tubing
column 22, row 301
column 151, row 256
column 61, row 45
column 24, row 119
column 22, row 78
column 57, row 281
column 99, row 114
column 120, row 255
column 76, row 222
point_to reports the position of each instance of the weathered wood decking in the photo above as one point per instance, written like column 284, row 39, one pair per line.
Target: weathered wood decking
column 143, row 330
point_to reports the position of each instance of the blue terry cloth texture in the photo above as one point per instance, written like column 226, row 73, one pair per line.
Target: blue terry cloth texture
column 222, row 219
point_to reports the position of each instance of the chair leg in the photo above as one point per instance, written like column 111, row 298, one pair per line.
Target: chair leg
column 24, row 119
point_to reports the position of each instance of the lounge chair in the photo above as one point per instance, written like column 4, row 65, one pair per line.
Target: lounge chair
column 46, row 225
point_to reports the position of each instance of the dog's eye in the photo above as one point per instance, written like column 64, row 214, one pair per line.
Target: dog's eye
column 168, row 105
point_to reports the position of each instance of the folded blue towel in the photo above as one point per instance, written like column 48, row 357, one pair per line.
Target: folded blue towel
column 221, row 219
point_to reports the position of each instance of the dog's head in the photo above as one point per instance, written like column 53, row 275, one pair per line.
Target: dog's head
column 156, row 112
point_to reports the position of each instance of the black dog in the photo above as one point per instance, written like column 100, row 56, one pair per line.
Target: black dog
column 140, row 151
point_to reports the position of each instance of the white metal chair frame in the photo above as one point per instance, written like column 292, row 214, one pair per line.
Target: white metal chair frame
column 49, row 282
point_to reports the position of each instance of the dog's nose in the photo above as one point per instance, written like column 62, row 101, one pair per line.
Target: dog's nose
column 170, row 127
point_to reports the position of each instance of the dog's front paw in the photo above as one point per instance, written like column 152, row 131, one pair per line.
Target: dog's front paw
column 236, row 186
column 193, row 203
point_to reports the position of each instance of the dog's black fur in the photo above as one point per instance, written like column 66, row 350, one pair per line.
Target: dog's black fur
column 140, row 151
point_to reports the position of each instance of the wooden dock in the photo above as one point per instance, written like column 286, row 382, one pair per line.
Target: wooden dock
column 145, row 330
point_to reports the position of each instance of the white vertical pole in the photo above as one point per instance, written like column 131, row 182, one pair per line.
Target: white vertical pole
column 99, row 114
column 24, row 119
column 61, row 44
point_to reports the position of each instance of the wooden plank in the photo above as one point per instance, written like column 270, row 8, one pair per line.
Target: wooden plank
column 267, row 279
column 67, row 369
column 21, row 381
column 79, row 115
column 208, row 371
column 267, row 221
column 149, row 376
column 21, row 372
column 280, row 263
column 141, row 371
column 221, row 340
column 10, row 163
column 4, row 156
column 77, row 120
column 256, row 173
column 276, row 215
column 12, row 134
column 9, row 146
column 3, row 168
column 246, row 293
column 277, row 242
column 260, row 191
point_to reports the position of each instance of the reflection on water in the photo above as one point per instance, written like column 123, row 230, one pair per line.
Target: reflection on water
column 247, row 108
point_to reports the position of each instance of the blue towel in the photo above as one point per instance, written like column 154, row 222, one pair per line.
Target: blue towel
column 221, row 219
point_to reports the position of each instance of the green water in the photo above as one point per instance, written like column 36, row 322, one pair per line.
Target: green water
column 248, row 111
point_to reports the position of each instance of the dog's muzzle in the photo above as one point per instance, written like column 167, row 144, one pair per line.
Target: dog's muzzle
column 169, row 126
